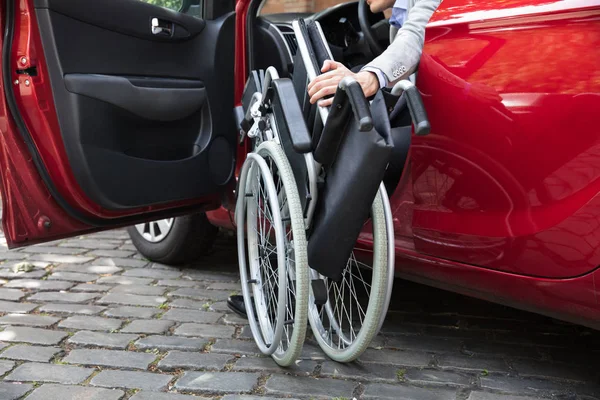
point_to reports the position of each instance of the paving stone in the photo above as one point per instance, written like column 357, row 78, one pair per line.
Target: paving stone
column 219, row 306
column 246, row 333
column 153, row 273
column 358, row 371
column 36, row 372
column 116, row 236
column 473, row 364
column 91, row 287
column 6, row 366
column 170, row 343
column 424, row 343
column 53, row 250
column 189, row 360
column 180, row 315
column 89, row 244
column 229, row 286
column 28, row 320
column 101, row 339
column 73, row 277
column 32, row 335
column 401, row 358
column 39, row 285
column 62, row 392
column 30, row 353
column 180, row 283
column 14, row 391
column 201, row 294
column 500, row 349
column 60, row 258
column 161, row 266
column 64, row 297
column 131, row 380
column 428, row 377
column 197, row 275
column 234, row 320
column 110, row 253
column 165, row 396
column 18, row 308
column 132, row 312
column 311, row 351
column 513, row 385
column 91, row 323
column 217, row 382
column 205, row 330
column 400, row 392
column 493, row 396
column 550, row 370
column 85, row 309
column 283, row 385
column 123, row 280
column 10, row 274
column 11, row 294
column 110, row 358
column 266, row 365
column 187, row 303
column 38, row 266
column 250, row 397
column 148, row 326
column 88, row 269
column 132, row 299
column 122, row 262
column 12, row 255
column 140, row 289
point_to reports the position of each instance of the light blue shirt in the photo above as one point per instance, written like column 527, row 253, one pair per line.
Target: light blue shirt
column 398, row 18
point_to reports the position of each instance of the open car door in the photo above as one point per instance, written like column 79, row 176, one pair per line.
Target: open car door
column 113, row 112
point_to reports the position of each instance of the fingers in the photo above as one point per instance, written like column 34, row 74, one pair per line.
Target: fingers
column 318, row 81
column 326, row 102
column 322, row 83
column 327, row 90
column 329, row 65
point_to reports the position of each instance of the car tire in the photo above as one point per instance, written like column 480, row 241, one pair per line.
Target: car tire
column 185, row 240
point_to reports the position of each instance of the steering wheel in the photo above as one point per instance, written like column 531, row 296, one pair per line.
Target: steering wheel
column 367, row 29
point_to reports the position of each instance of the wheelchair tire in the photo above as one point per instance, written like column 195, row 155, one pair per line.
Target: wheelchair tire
column 332, row 323
column 279, row 330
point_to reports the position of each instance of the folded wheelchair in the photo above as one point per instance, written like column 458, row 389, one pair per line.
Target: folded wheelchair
column 314, row 225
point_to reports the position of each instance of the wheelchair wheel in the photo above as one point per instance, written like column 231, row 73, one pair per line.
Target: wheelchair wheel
column 351, row 318
column 272, row 253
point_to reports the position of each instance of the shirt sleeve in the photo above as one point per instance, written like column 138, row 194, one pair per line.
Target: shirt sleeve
column 383, row 82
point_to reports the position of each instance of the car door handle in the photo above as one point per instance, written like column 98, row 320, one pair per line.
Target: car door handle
column 162, row 27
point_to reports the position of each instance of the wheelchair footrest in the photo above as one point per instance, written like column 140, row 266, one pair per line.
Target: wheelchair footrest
column 320, row 291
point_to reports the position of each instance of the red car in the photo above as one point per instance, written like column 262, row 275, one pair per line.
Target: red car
column 116, row 112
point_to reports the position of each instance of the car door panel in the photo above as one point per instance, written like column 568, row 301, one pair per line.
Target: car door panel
column 125, row 122
column 509, row 177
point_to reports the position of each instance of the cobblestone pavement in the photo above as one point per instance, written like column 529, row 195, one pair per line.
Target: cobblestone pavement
column 94, row 320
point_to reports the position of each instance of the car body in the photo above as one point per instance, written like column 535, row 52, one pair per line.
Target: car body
column 106, row 124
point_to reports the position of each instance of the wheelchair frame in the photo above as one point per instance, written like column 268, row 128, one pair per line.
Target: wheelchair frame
column 267, row 131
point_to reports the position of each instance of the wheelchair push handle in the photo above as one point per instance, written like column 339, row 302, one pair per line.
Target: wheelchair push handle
column 415, row 106
column 360, row 106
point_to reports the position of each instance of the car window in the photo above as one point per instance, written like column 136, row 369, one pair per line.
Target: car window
column 287, row 6
column 171, row 4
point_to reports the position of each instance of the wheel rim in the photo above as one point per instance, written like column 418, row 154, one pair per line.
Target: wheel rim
column 290, row 265
column 266, row 320
column 347, row 323
column 155, row 231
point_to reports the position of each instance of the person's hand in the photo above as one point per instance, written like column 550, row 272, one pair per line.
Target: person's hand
column 332, row 73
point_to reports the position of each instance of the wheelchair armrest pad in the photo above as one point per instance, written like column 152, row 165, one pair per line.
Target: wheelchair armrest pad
column 291, row 115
